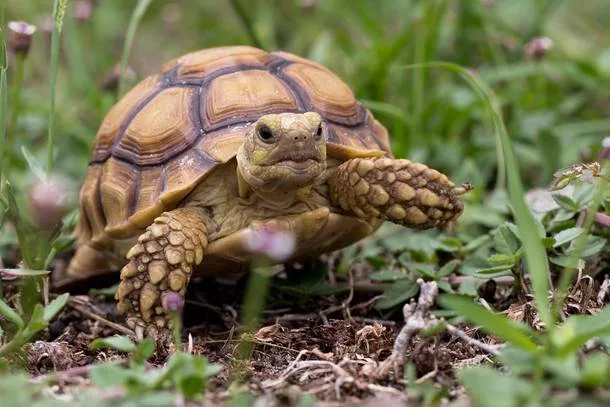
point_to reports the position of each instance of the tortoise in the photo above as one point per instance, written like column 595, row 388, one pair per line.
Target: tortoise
column 226, row 140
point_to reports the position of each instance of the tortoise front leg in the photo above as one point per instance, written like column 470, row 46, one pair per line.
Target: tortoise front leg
column 160, row 264
column 406, row 193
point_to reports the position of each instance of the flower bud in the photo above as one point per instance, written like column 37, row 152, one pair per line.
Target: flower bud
column 538, row 47
column 309, row 4
column 49, row 201
column 171, row 301
column 271, row 242
column 83, row 10
column 20, row 36
column 47, row 25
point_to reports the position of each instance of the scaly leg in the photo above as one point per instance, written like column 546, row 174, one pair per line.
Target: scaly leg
column 406, row 193
column 159, row 264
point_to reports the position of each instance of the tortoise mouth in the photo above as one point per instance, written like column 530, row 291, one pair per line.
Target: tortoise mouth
column 298, row 166
column 297, row 158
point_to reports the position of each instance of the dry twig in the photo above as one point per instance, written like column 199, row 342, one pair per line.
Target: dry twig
column 417, row 318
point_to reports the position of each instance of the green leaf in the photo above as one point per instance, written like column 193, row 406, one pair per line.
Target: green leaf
column 567, row 235
column 426, row 272
column 567, row 261
column 490, row 388
column 593, row 246
column 120, row 343
column 109, row 375
column 505, row 241
column 595, row 370
column 494, row 324
column 33, row 163
column 519, row 362
column 447, row 268
column 25, row 272
column 476, row 243
column 398, row 293
column 502, row 259
column 566, row 202
column 191, row 385
column 8, row 312
column 212, row 369
column 51, row 310
column 391, row 274
column 37, row 314
column 144, row 350
column 495, row 269
column 578, row 329
column 450, row 244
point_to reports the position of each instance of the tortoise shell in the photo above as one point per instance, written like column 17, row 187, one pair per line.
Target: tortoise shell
column 165, row 135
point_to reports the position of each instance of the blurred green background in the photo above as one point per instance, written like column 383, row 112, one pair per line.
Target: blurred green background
column 556, row 106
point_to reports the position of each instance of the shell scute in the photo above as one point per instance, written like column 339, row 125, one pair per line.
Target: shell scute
column 119, row 115
column 246, row 94
column 161, row 129
column 92, row 221
column 327, row 94
column 199, row 64
column 118, row 189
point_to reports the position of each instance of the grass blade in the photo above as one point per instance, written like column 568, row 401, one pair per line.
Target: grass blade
column 8, row 312
column 136, row 17
column 492, row 323
column 247, row 23
column 3, row 102
column 59, row 11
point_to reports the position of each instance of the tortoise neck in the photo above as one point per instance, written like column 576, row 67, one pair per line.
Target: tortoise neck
column 276, row 196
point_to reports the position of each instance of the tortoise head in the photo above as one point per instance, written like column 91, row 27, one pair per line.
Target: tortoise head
column 283, row 151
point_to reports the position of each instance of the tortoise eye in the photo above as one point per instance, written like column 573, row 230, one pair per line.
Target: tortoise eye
column 319, row 132
column 265, row 134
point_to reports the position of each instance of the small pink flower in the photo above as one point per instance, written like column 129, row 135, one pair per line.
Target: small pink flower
column 309, row 4
column 171, row 301
column 538, row 47
column 83, row 10
column 20, row 36
column 271, row 242
column 49, row 201
column 603, row 219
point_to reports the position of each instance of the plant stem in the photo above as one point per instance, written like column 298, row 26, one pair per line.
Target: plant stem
column 15, row 101
column 418, row 79
column 58, row 14
column 3, row 98
column 581, row 241
column 254, row 302
column 134, row 22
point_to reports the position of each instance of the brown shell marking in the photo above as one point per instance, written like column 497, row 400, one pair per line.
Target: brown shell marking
column 118, row 116
column 243, row 95
column 161, row 129
column 165, row 135
column 199, row 64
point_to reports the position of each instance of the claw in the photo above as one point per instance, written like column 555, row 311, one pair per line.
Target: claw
column 466, row 186
column 139, row 333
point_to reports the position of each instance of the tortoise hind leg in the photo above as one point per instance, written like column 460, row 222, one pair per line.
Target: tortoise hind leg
column 160, row 264
column 406, row 193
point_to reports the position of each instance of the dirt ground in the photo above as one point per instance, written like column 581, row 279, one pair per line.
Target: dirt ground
column 332, row 347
